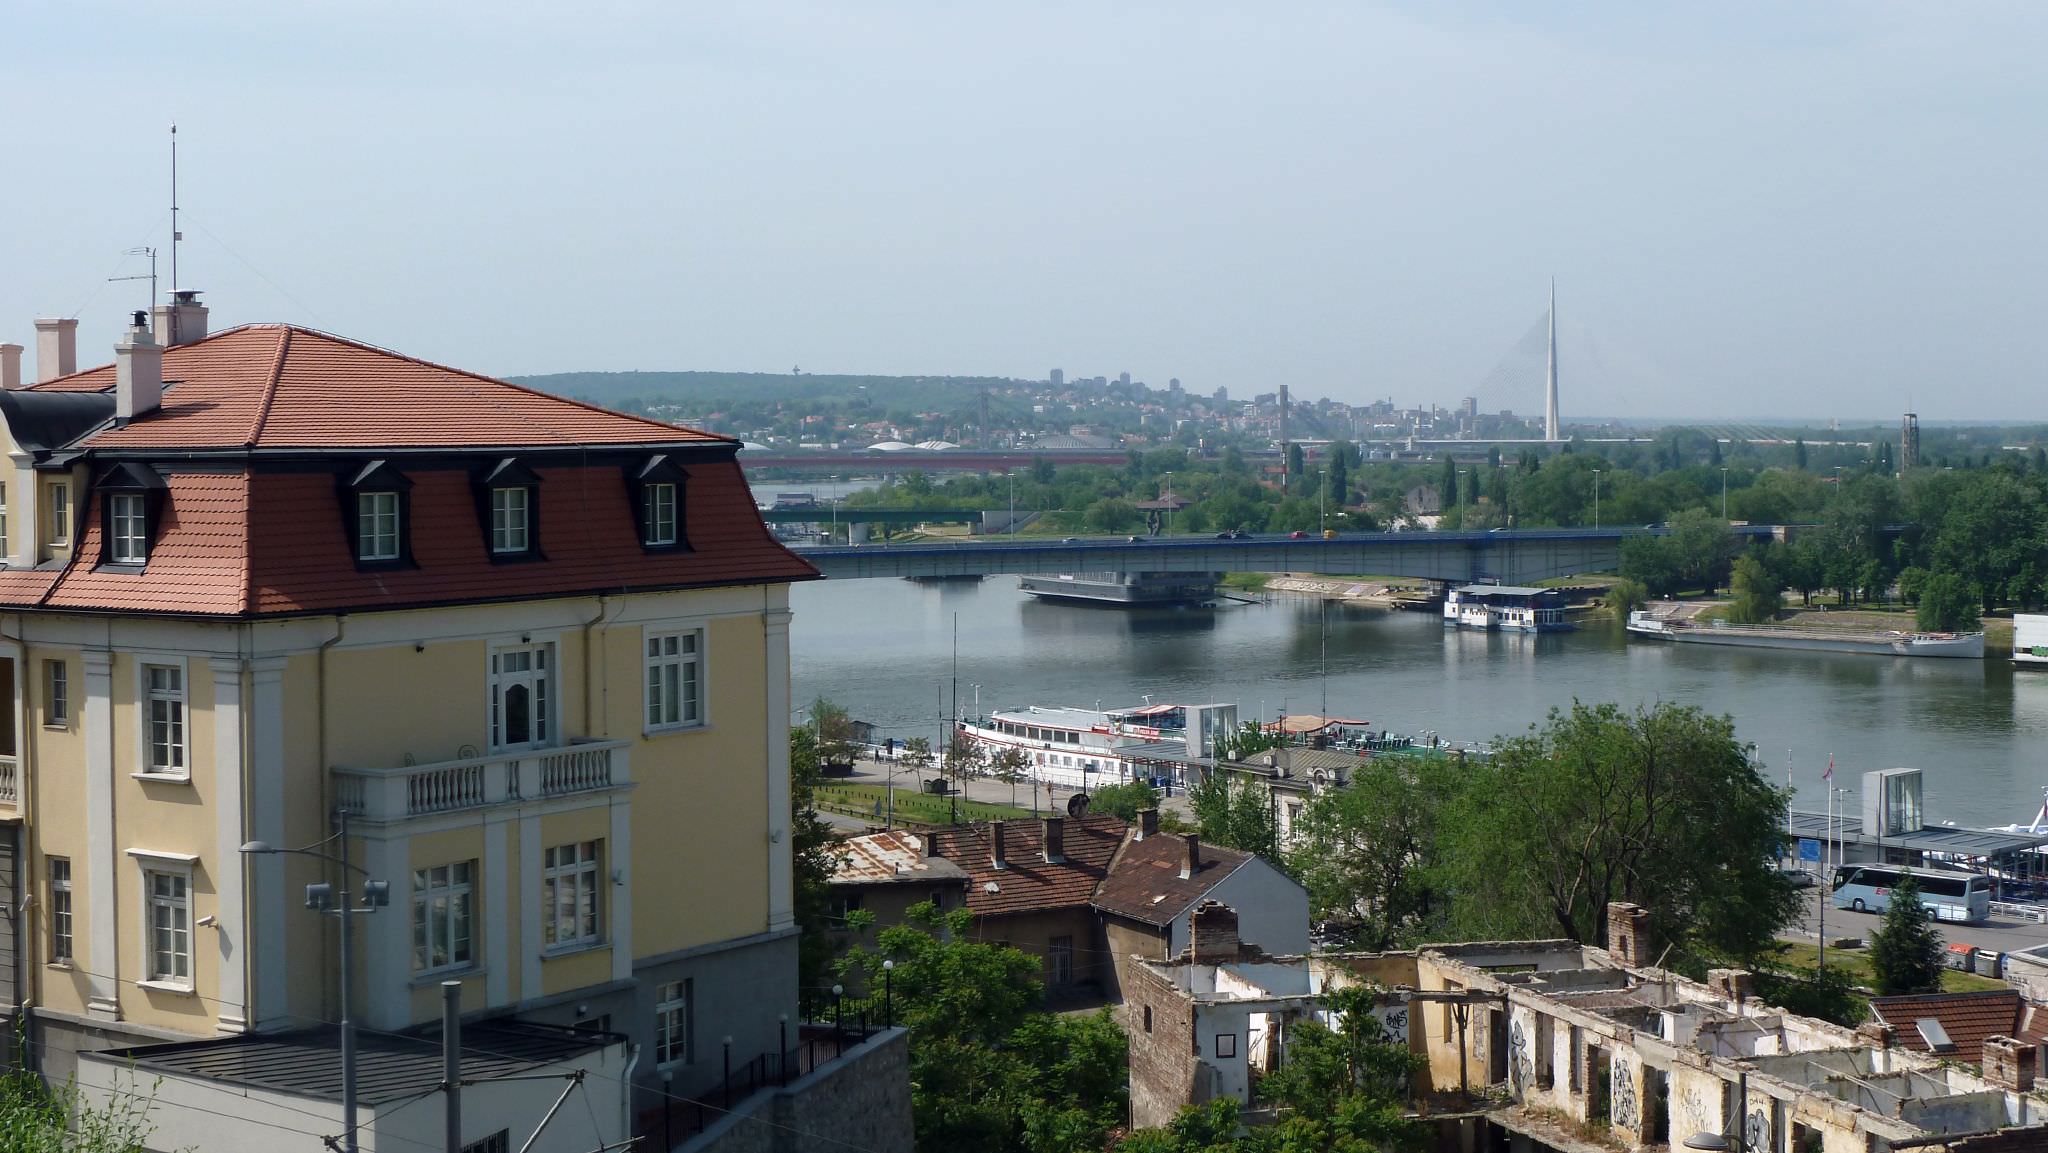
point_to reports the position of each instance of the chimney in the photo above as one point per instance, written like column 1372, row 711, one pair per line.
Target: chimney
column 1628, row 932
column 10, row 366
column 138, row 372
column 182, row 321
column 1055, row 840
column 1189, row 867
column 56, row 349
column 1877, row 1033
column 1148, row 824
column 995, row 845
column 1212, row 934
column 2010, row 1064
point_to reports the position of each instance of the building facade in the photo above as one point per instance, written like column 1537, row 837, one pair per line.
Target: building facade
column 536, row 652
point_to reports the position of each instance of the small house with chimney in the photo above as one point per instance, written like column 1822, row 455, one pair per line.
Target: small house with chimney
column 1029, row 884
column 1155, row 882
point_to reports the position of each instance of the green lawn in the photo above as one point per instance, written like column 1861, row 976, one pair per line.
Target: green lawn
column 1857, row 962
column 910, row 805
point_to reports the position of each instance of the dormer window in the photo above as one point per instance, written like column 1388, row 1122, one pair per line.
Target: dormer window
column 508, row 507
column 657, row 486
column 60, row 513
column 658, row 516
column 509, row 529
column 128, row 534
column 131, row 506
column 376, row 506
column 377, row 526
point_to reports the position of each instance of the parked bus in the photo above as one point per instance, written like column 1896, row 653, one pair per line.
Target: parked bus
column 1948, row 895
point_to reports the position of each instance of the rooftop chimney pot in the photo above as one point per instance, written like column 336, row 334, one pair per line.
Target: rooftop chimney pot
column 10, row 366
column 1194, row 861
column 995, row 845
column 56, row 348
column 182, row 321
column 1055, row 840
column 1148, row 823
column 138, row 372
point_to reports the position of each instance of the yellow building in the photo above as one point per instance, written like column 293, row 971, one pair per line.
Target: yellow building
column 537, row 651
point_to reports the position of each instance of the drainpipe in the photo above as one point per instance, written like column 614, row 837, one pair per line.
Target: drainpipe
column 626, row 1098
column 593, row 701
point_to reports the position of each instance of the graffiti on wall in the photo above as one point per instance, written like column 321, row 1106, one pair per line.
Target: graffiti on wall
column 1622, row 1105
column 1393, row 1019
column 1521, row 1068
column 1756, row 1130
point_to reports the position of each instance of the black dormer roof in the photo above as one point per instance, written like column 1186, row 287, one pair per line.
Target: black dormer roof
column 41, row 421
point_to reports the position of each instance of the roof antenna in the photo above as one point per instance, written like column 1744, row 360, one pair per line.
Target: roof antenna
column 150, row 276
column 176, row 236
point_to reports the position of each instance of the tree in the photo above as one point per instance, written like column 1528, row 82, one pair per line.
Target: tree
column 1799, row 453
column 813, row 849
column 1230, row 810
column 1123, row 801
column 1948, row 604
column 1906, row 949
column 1296, row 464
column 36, row 1117
column 917, row 757
column 1447, row 487
column 1366, row 851
column 1010, row 766
column 1757, row 594
column 1660, row 806
column 1653, row 563
column 1625, row 596
column 1701, row 544
column 989, row 1068
column 1111, row 514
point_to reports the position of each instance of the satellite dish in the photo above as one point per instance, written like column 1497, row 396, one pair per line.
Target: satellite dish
column 1320, row 776
column 1077, row 805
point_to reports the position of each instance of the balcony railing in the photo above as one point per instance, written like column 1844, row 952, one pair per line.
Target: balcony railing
column 10, row 781
column 392, row 794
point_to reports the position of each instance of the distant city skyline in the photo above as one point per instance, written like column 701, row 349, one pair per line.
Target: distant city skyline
column 1751, row 211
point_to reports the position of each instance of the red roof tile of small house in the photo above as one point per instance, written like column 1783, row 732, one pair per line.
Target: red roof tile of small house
column 1028, row 883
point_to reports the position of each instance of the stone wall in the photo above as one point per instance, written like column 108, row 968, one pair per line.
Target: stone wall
column 861, row 1100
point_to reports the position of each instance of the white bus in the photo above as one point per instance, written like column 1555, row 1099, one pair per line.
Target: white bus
column 1947, row 894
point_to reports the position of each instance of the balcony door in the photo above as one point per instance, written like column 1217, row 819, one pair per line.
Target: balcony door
column 522, row 697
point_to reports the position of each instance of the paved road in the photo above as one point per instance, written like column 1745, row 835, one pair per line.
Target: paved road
column 2003, row 933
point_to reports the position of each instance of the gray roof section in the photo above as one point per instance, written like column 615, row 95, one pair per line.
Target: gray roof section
column 1931, row 839
column 307, row 1062
column 41, row 421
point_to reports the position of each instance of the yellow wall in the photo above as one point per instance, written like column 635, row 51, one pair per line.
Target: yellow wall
column 429, row 849
column 56, row 801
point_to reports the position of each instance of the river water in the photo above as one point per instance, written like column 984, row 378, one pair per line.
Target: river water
column 884, row 649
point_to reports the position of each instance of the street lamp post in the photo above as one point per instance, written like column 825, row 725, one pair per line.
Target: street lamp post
column 1169, row 504
column 1596, row 498
column 1322, row 497
column 323, row 897
column 1724, row 494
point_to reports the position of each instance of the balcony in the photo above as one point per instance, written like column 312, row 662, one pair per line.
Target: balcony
column 10, row 782
column 397, row 794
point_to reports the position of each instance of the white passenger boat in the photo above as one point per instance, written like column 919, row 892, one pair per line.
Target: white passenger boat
column 1085, row 748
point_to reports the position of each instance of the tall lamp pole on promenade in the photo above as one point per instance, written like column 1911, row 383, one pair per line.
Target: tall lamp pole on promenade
column 325, row 898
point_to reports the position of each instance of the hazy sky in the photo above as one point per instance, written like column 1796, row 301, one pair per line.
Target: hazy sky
column 1813, row 209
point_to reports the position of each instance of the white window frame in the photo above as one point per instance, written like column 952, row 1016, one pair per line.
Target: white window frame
column 145, row 718
column 546, row 716
column 60, row 513
column 5, row 525
column 56, row 693
column 128, row 528
column 672, row 1024
column 370, row 532
column 573, row 872
column 657, row 499
column 662, row 669
column 510, row 537
column 179, row 910
column 63, row 922
column 454, row 887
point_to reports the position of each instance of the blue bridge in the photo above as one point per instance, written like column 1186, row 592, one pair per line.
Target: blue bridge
column 1510, row 556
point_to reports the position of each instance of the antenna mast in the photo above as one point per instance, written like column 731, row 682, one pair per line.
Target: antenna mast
column 176, row 236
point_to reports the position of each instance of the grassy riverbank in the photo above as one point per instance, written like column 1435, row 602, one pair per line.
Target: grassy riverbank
column 869, row 802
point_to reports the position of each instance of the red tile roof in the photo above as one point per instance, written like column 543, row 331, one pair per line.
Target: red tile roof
column 1029, row 884
column 1144, row 881
column 242, row 536
column 274, row 386
column 1968, row 1018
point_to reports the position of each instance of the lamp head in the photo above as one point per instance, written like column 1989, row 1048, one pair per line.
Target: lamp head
column 1707, row 1142
column 257, row 847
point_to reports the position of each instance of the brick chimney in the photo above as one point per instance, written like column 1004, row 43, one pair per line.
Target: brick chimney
column 2010, row 1064
column 1628, row 937
column 995, row 846
column 1738, row 985
column 1193, row 864
column 182, row 321
column 10, row 366
column 138, row 372
column 1212, row 934
column 1148, row 823
column 56, row 348
column 1055, row 840
column 1878, row 1033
